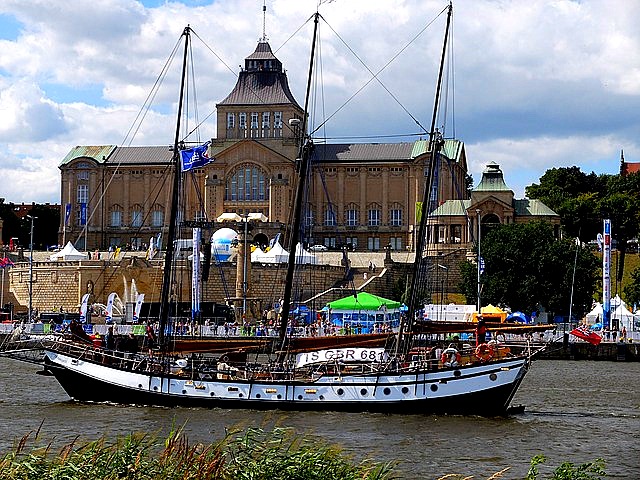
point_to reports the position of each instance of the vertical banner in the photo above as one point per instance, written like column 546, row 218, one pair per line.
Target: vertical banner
column 109, row 309
column 83, row 213
column 138, row 307
column 195, row 275
column 606, row 274
column 67, row 214
column 84, row 305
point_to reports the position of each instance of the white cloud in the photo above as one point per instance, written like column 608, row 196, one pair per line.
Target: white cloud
column 538, row 83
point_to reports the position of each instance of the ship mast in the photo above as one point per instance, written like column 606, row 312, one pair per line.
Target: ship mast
column 302, row 167
column 168, row 258
column 435, row 144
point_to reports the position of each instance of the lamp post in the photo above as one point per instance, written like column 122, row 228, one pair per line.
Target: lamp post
column 32, row 218
column 479, row 259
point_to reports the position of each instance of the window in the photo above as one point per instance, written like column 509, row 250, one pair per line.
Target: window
column 136, row 216
column 353, row 241
column 330, row 242
column 254, row 120
column 395, row 217
column 248, row 183
column 374, row 216
column 116, row 218
column 266, row 120
column 83, row 193
column 200, row 216
column 157, row 217
column 231, row 120
column 329, row 217
column 83, row 175
column 277, row 120
column 395, row 243
column 373, row 243
column 308, row 216
column 243, row 121
column 351, row 215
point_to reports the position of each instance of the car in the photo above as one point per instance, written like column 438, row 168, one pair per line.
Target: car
column 318, row 248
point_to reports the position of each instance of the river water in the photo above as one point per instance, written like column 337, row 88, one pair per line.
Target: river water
column 575, row 411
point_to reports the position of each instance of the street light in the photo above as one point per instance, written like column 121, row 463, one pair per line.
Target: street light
column 479, row 258
column 32, row 218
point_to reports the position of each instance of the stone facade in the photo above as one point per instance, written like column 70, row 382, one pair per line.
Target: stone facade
column 364, row 195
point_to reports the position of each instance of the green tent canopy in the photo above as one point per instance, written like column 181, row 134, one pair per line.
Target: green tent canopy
column 363, row 301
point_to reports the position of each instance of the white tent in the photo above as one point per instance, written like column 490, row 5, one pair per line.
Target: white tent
column 595, row 315
column 304, row 256
column 624, row 317
column 276, row 254
column 69, row 252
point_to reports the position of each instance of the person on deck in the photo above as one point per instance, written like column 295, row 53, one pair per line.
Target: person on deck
column 481, row 331
column 151, row 339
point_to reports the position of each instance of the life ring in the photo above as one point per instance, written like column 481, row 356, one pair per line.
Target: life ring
column 450, row 357
column 485, row 352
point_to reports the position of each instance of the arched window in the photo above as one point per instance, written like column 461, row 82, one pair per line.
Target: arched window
column 374, row 214
column 136, row 216
column 157, row 216
column 248, row 183
column 116, row 216
column 352, row 214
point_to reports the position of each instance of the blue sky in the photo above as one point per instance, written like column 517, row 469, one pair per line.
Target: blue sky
column 537, row 84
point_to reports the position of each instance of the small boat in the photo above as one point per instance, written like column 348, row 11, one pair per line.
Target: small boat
column 377, row 373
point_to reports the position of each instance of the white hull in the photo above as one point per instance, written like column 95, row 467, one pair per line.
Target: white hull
column 484, row 389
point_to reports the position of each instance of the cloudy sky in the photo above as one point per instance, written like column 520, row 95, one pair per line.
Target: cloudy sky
column 533, row 84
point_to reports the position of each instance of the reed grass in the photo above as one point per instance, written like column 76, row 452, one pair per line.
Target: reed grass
column 252, row 454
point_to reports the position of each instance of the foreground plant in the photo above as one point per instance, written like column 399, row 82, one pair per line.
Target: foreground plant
column 252, row 455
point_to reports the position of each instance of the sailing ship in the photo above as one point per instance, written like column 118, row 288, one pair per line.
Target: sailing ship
column 396, row 378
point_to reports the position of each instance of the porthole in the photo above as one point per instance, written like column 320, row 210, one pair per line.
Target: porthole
column 155, row 388
column 340, row 392
column 213, row 394
column 279, row 396
column 321, row 397
column 184, row 391
column 387, row 391
column 139, row 385
column 240, row 395
column 457, row 373
column 257, row 395
column 405, row 390
column 299, row 397
column 493, row 377
column 434, row 387
column 363, row 392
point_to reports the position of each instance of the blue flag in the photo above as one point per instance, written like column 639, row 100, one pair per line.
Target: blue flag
column 83, row 214
column 195, row 157
column 67, row 213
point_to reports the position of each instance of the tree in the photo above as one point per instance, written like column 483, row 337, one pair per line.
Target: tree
column 574, row 196
column 632, row 290
column 526, row 266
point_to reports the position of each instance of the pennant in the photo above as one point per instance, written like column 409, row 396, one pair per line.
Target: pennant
column 195, row 157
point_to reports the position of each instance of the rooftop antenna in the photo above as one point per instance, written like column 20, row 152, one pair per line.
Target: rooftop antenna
column 264, row 20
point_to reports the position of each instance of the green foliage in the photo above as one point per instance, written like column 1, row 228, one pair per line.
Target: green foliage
column 525, row 266
column 252, row 455
column 632, row 290
column 569, row 471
